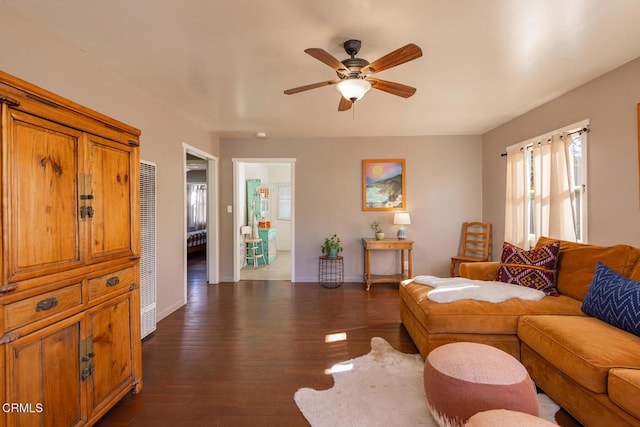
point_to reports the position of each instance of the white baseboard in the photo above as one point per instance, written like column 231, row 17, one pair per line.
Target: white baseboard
column 303, row 279
column 167, row 311
column 314, row 279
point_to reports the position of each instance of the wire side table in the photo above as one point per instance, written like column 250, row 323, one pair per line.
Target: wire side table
column 331, row 271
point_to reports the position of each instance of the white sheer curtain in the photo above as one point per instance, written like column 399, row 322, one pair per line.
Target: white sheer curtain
column 516, row 230
column 546, row 206
column 553, row 195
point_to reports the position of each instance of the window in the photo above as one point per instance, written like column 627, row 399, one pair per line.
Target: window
column 196, row 207
column 546, row 187
column 284, row 202
column 579, row 183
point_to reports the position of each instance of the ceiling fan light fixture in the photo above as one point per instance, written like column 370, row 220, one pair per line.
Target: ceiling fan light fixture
column 353, row 89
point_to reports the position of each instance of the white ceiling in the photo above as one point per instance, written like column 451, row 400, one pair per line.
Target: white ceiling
column 225, row 63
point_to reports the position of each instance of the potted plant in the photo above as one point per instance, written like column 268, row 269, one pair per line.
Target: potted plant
column 331, row 246
column 375, row 226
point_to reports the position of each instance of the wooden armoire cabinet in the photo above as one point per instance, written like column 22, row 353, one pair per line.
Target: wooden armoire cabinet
column 69, row 295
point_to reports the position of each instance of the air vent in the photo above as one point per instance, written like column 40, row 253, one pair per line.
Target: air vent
column 148, row 265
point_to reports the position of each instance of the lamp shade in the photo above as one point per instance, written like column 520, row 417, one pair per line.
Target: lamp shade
column 401, row 218
column 353, row 89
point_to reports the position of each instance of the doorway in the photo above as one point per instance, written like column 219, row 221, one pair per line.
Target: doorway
column 201, row 212
column 263, row 189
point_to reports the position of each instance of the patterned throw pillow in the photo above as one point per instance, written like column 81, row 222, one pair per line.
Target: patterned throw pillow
column 535, row 268
column 614, row 299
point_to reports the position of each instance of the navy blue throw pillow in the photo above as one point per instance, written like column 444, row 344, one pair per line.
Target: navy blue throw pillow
column 614, row 298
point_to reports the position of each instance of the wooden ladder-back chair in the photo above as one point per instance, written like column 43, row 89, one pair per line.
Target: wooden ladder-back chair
column 476, row 240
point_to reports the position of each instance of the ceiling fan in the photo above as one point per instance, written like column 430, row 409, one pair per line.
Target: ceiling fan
column 355, row 75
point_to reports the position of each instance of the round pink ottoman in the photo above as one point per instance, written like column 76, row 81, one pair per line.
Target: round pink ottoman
column 506, row 418
column 462, row 379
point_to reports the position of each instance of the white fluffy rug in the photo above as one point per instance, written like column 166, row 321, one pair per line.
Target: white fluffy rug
column 449, row 289
column 383, row 388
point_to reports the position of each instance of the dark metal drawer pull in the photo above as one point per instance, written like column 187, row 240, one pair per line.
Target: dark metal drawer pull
column 112, row 281
column 46, row 304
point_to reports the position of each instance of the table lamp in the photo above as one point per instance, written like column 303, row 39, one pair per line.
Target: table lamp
column 401, row 219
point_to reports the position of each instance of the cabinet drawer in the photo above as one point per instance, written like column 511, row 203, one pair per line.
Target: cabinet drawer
column 387, row 246
column 112, row 282
column 29, row 310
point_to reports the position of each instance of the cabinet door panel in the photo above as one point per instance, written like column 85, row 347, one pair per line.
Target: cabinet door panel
column 113, row 180
column 45, row 377
column 111, row 332
column 41, row 190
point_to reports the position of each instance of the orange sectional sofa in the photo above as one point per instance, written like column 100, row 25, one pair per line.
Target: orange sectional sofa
column 589, row 367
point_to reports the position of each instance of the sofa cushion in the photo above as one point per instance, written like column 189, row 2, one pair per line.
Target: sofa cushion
column 577, row 263
column 587, row 360
column 484, row 270
column 614, row 299
column 535, row 268
column 635, row 273
column 624, row 389
column 479, row 317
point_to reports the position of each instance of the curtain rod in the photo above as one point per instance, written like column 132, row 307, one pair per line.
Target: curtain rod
column 584, row 129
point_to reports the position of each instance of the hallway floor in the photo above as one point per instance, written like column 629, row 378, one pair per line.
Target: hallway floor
column 280, row 269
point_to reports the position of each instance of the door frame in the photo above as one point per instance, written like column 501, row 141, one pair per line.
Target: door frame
column 213, row 220
column 238, row 176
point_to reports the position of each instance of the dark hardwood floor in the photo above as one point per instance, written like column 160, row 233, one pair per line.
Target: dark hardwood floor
column 236, row 353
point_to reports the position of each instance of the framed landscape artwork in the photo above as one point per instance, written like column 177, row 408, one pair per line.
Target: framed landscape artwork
column 383, row 185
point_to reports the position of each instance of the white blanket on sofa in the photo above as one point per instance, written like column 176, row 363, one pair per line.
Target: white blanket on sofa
column 451, row 289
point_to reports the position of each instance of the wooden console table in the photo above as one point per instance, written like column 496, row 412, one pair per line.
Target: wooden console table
column 386, row 245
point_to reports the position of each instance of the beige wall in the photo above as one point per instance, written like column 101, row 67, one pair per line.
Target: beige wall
column 610, row 103
column 33, row 54
column 447, row 183
column 444, row 175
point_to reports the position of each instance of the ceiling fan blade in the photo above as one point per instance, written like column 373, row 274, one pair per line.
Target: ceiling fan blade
column 310, row 86
column 399, row 56
column 392, row 87
column 344, row 104
column 326, row 58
